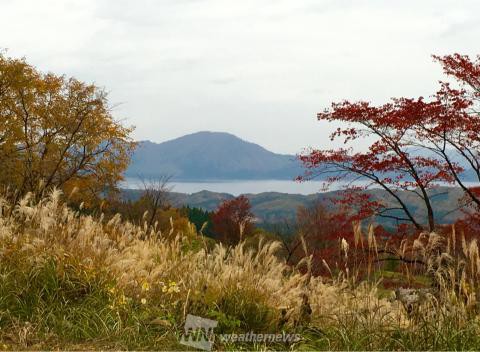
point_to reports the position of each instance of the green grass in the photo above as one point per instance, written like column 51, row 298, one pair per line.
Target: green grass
column 54, row 305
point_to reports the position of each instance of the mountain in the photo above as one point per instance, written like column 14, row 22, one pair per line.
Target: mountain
column 217, row 156
column 211, row 156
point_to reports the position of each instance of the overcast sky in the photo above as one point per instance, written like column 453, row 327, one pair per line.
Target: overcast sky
column 260, row 69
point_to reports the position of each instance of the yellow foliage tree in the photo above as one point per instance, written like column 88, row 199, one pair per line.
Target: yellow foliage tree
column 58, row 132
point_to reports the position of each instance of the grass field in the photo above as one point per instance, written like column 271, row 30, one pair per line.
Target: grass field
column 70, row 281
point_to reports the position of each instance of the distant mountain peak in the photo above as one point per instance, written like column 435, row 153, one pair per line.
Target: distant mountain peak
column 211, row 133
column 208, row 136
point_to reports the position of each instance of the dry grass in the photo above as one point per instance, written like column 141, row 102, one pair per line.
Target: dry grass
column 74, row 281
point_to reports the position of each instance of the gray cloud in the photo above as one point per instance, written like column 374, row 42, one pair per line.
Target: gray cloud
column 260, row 69
column 225, row 80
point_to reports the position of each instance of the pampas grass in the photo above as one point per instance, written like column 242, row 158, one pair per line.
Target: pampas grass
column 73, row 281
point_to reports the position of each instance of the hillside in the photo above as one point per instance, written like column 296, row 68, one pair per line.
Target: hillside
column 211, row 156
column 275, row 207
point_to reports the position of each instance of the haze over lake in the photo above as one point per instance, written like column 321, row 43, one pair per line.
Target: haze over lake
column 240, row 187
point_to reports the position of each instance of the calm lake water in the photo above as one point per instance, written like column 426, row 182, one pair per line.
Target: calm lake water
column 241, row 187
column 252, row 186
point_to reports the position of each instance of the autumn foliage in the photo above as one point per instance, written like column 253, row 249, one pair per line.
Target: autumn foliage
column 58, row 132
column 233, row 220
column 414, row 145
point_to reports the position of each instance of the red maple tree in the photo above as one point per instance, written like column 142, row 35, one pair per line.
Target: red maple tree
column 233, row 220
column 414, row 145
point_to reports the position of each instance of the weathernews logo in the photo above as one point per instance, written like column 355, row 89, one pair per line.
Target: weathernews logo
column 199, row 334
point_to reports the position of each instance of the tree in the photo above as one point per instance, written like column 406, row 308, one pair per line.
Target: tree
column 156, row 197
column 451, row 121
column 315, row 229
column 233, row 220
column 414, row 144
column 315, row 223
column 202, row 219
column 58, row 132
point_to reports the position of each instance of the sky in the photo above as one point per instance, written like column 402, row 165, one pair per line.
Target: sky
column 260, row 69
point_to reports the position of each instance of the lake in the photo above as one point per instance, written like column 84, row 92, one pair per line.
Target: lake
column 241, row 186
column 253, row 186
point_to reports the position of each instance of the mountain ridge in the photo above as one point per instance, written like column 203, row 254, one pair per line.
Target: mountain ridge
column 278, row 207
